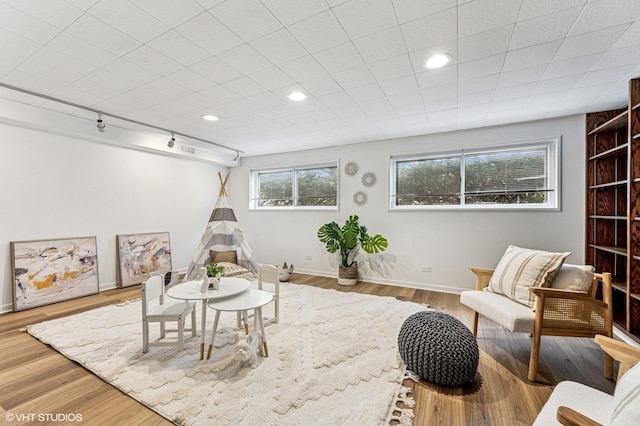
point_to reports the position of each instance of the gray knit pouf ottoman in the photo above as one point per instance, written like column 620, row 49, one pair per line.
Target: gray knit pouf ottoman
column 439, row 348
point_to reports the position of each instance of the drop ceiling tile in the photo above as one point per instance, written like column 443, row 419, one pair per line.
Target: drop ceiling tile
column 60, row 68
column 437, row 77
column 279, row 47
column 592, row 42
column 127, row 70
column 190, row 79
column 430, row 30
column 605, row 14
column 244, row 86
column 398, row 66
column 480, row 84
column 102, row 35
column 248, row 19
column 533, row 55
column 272, row 78
column 535, row 8
column 334, row 100
column 521, row 76
column 440, row 104
column 618, row 57
column 381, row 45
column 481, row 67
column 153, row 60
column 380, row 16
column 513, row 92
column 208, row 33
column 543, row 29
column 128, row 18
column 319, row 32
column 216, row 70
column 444, row 91
column 399, row 85
column 339, row 58
column 354, row 77
column 80, row 49
column 35, row 82
column 321, row 86
column 305, row 68
column 291, row 11
column 58, row 13
column 25, row 25
column 578, row 65
column 14, row 49
column 245, row 59
column 179, row 48
column 485, row 15
column 205, row 104
column 445, row 114
column 169, row 12
column 484, row 44
column 605, row 76
column 402, row 101
column 556, row 84
column 366, row 93
column 631, row 37
column 408, row 10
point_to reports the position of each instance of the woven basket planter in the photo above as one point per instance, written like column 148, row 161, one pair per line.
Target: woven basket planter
column 347, row 275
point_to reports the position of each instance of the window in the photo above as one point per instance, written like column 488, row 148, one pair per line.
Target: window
column 515, row 177
column 309, row 187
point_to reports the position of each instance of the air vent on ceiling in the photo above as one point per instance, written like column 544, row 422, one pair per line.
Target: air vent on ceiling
column 188, row 149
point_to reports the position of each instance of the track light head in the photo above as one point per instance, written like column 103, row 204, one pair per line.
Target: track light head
column 172, row 141
column 100, row 124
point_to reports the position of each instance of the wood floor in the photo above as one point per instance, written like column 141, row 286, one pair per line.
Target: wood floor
column 35, row 380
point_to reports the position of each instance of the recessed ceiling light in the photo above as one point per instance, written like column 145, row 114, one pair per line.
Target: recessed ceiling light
column 297, row 96
column 439, row 60
column 210, row 117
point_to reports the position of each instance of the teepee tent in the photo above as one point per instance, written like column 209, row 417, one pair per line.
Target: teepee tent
column 222, row 234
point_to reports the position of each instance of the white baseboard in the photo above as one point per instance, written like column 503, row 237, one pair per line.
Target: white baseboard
column 396, row 283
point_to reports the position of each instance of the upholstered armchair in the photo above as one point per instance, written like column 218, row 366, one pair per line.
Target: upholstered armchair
column 567, row 307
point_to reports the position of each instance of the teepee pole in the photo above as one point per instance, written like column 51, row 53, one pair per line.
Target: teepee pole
column 223, row 184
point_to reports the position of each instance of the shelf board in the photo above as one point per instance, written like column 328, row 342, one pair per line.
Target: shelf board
column 616, row 151
column 636, row 106
column 610, row 249
column 610, row 184
column 619, row 286
column 615, row 123
column 598, row 216
column 636, row 137
column 635, row 296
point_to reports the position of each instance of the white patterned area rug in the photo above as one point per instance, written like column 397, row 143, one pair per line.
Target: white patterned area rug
column 333, row 360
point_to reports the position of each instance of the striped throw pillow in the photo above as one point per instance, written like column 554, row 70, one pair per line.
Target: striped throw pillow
column 521, row 268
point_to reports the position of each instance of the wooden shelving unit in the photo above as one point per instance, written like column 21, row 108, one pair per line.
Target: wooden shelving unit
column 613, row 204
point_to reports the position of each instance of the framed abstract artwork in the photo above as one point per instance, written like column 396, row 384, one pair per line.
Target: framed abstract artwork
column 50, row 271
column 142, row 255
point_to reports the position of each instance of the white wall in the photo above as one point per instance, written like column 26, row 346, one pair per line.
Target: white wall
column 449, row 241
column 56, row 186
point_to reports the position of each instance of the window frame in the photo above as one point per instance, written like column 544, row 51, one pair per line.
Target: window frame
column 554, row 163
column 254, row 190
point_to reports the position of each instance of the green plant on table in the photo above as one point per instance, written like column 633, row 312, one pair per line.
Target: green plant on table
column 214, row 270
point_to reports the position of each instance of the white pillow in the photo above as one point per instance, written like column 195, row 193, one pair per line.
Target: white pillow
column 521, row 268
column 626, row 399
column 574, row 277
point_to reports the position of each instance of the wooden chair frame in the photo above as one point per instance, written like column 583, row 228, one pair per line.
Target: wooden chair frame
column 563, row 313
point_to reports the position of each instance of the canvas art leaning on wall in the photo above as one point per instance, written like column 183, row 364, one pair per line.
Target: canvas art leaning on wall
column 142, row 255
column 50, row 271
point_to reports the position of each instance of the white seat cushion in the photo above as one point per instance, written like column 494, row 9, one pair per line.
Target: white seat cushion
column 171, row 308
column 512, row 315
column 591, row 402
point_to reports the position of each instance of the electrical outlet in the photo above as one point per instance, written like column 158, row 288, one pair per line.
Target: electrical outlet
column 426, row 269
column 309, row 258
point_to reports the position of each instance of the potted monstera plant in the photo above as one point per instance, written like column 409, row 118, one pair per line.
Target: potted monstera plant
column 347, row 241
